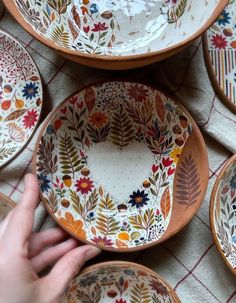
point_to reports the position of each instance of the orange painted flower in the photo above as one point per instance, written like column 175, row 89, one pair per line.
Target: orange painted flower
column 98, row 119
column 75, row 226
column 84, row 185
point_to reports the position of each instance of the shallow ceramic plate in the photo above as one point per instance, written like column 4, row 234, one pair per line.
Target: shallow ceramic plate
column 6, row 205
column 119, row 282
column 220, row 55
column 103, row 30
column 223, row 213
column 121, row 165
column 20, row 97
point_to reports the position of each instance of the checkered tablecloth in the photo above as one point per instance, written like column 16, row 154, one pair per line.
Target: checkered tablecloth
column 188, row 261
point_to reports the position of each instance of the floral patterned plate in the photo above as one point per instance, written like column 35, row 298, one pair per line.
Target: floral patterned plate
column 6, row 206
column 119, row 282
column 220, row 55
column 20, row 97
column 121, row 165
column 109, row 34
column 223, row 213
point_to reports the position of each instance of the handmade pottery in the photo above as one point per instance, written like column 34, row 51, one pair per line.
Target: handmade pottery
column 116, row 34
column 119, row 282
column 121, row 165
column 220, row 55
column 20, row 97
column 6, row 205
column 223, row 213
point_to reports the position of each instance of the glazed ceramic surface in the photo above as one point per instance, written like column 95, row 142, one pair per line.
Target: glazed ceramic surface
column 221, row 43
column 119, row 283
column 20, row 97
column 6, row 206
column 106, row 162
column 224, row 214
column 116, row 28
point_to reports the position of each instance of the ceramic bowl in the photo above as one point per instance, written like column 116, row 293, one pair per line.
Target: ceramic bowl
column 116, row 34
column 223, row 213
column 121, row 165
column 119, row 282
column 220, row 55
column 6, row 205
column 20, row 98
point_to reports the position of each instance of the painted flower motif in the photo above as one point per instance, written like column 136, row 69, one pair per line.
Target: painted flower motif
column 175, row 154
column 98, row 119
column 166, row 162
column 139, row 199
column 30, row 118
column 99, row 27
column 102, row 241
column 30, row 90
column 121, row 301
column 84, row 185
column 232, row 182
column 138, row 92
column 44, row 183
column 224, row 18
column 219, row 41
column 16, row 133
column 159, row 288
column 88, row 281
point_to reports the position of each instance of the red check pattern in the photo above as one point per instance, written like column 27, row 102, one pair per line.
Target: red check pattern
column 189, row 261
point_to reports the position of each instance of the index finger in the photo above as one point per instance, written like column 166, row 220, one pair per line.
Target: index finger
column 21, row 222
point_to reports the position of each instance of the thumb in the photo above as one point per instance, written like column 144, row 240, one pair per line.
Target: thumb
column 65, row 270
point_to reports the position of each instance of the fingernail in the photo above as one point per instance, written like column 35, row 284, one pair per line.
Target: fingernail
column 92, row 252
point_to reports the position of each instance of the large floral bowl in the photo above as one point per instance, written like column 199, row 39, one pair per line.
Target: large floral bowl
column 116, row 34
column 223, row 213
column 121, row 165
column 220, row 55
column 20, row 98
column 119, row 282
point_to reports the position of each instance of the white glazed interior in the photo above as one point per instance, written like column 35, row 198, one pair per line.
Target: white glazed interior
column 126, row 27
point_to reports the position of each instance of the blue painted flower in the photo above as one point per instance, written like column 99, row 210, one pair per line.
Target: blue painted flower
column 232, row 182
column 30, row 90
column 139, row 199
column 94, row 8
column 44, row 183
column 50, row 129
column 224, row 18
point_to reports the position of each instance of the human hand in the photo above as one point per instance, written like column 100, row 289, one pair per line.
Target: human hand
column 23, row 255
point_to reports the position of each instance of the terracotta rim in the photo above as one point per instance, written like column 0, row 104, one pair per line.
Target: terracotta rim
column 19, row 18
column 145, row 246
column 212, row 203
column 91, row 268
column 218, row 90
column 40, row 114
column 7, row 200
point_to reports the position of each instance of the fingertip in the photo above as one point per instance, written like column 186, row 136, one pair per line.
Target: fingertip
column 92, row 251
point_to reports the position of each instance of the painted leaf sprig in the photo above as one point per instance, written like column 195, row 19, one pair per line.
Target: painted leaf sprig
column 142, row 114
column 106, row 223
column 188, row 182
column 122, row 132
column 98, row 135
column 47, row 163
column 69, row 157
column 5, row 152
column 61, row 36
column 143, row 221
column 176, row 13
column 140, row 294
column 16, row 114
column 165, row 203
column 93, row 296
column 59, row 5
column 52, row 201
